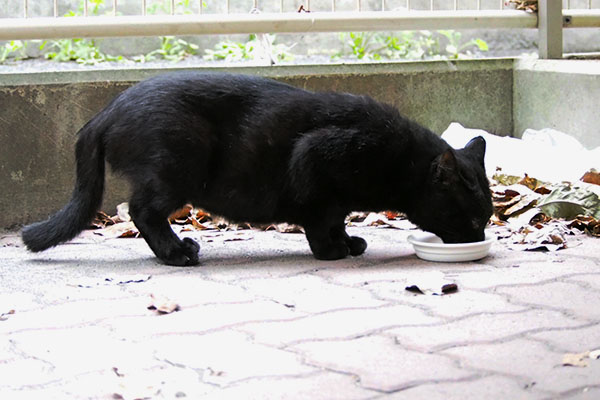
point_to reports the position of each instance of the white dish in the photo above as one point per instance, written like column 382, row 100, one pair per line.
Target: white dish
column 431, row 248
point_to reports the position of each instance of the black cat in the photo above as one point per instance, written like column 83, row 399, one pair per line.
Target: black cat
column 256, row 150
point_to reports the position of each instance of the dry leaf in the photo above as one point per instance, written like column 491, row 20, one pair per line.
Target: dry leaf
column 4, row 316
column 120, row 230
column 283, row 228
column 182, row 214
column 576, row 359
column 592, row 176
column 431, row 283
column 101, row 220
column 162, row 305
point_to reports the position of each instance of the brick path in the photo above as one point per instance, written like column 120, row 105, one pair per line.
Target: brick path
column 261, row 319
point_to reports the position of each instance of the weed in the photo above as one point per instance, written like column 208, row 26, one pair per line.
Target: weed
column 409, row 45
column 83, row 51
column 171, row 48
column 16, row 49
column 254, row 48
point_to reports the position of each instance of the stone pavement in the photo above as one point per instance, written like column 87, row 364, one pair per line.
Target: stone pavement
column 262, row 319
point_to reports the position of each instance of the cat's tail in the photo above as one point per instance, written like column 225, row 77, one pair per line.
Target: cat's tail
column 85, row 200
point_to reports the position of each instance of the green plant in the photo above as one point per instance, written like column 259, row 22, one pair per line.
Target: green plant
column 171, row 48
column 252, row 49
column 363, row 44
column 15, row 48
column 408, row 45
column 83, row 51
column 456, row 49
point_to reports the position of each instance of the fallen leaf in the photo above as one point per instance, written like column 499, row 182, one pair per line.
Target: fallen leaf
column 589, row 225
column 101, row 220
column 431, row 283
column 162, row 305
column 128, row 279
column 592, row 176
column 576, row 359
column 120, row 230
column 570, row 200
column 182, row 214
column 4, row 316
column 284, row 228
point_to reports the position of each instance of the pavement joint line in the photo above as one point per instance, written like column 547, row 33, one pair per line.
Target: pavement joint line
column 547, row 344
column 503, row 339
column 577, row 391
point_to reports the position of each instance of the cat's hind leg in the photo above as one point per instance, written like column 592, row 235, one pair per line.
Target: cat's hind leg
column 150, row 212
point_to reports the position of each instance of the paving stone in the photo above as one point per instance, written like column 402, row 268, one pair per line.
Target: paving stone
column 379, row 363
column 73, row 351
column 520, row 271
column 530, row 361
column 227, row 357
column 199, row 319
column 558, row 295
column 575, row 340
column 189, row 290
column 318, row 386
column 489, row 387
column 591, row 281
column 72, row 314
column 336, row 324
column 586, row 393
column 310, row 293
column 261, row 317
column 480, row 328
column 461, row 303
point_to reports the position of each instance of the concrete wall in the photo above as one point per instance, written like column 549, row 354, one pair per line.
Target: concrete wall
column 564, row 95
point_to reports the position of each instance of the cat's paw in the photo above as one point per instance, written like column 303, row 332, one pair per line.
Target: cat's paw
column 357, row 245
column 335, row 251
column 186, row 254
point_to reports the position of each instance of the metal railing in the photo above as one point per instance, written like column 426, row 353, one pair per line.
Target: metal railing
column 550, row 20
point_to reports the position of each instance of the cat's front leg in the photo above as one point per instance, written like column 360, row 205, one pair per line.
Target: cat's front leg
column 322, row 245
column 356, row 245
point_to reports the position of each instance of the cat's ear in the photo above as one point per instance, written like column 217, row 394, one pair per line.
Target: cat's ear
column 476, row 147
column 446, row 168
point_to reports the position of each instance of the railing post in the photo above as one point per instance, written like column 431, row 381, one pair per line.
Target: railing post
column 550, row 21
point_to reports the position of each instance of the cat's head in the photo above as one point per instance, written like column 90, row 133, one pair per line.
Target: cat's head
column 458, row 203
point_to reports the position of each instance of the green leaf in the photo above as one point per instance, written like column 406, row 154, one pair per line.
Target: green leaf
column 483, row 46
column 567, row 201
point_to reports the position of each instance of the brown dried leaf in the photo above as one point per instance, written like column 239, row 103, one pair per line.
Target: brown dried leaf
column 101, row 220
column 587, row 224
column 182, row 214
column 4, row 316
column 592, row 176
column 202, row 216
column 432, row 283
column 119, row 230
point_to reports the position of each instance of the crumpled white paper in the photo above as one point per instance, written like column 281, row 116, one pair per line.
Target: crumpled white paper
column 547, row 155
